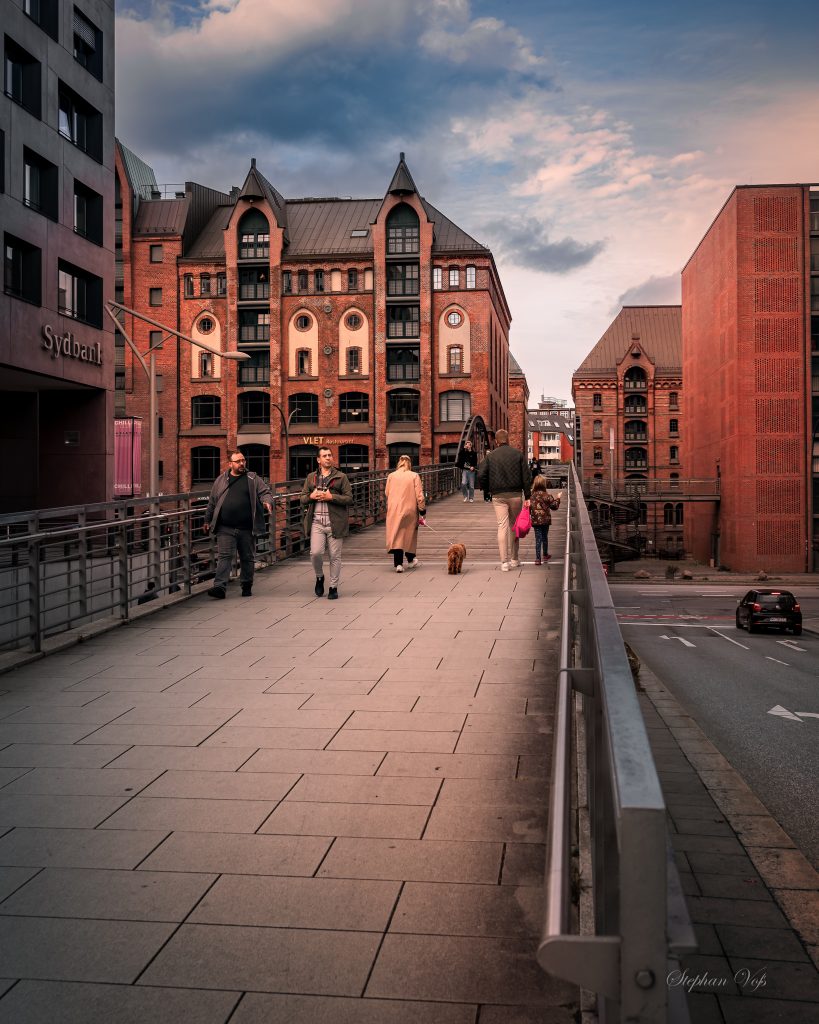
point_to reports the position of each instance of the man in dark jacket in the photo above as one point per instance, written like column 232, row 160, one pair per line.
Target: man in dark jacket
column 235, row 513
column 325, row 501
column 467, row 464
column 506, row 475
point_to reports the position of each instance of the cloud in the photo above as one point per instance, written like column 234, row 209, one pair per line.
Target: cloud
column 656, row 291
column 527, row 244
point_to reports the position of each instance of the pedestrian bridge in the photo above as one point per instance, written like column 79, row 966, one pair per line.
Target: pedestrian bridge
column 289, row 809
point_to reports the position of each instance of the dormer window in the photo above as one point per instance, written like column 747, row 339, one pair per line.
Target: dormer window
column 403, row 233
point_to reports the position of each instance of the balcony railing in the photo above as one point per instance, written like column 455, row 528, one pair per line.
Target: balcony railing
column 630, row 435
column 249, row 375
column 635, row 385
column 254, row 252
column 254, row 291
column 250, row 332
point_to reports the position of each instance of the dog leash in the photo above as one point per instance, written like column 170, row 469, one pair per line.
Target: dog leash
column 423, row 522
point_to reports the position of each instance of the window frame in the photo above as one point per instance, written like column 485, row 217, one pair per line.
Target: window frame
column 295, row 404
column 206, row 410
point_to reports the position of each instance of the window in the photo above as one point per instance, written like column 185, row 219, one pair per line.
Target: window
column 22, row 77
column 304, row 322
column 455, row 406
column 43, row 13
column 258, row 459
column 353, row 458
column 254, row 236
column 287, row 282
column 678, row 514
column 673, row 400
column 79, row 294
column 597, row 400
column 454, row 318
column 598, row 456
column 206, row 325
column 359, row 232
column 437, row 278
column 403, row 322
column 455, row 358
column 87, row 45
column 353, row 321
column 155, row 296
column 673, row 426
column 403, row 448
column 21, row 269
column 188, row 279
column 302, row 280
column 470, row 277
column 634, row 379
column 318, row 280
column 254, row 408
column 402, row 231
column 79, row 122
column 303, row 362
column 448, row 453
column 353, row 360
column 254, row 326
column 636, row 405
column 204, row 284
column 352, row 280
column 643, row 517
column 304, row 408
column 597, row 428
column 403, row 363
column 205, row 364
column 302, row 460
column 40, row 184
column 221, row 284
column 254, row 284
column 157, row 253
column 675, row 482
column 402, row 279
column 635, row 430
column 454, row 277
column 255, row 370
column 205, row 464
column 2, row 161
column 160, row 424
column 403, row 406
column 668, row 514
column 354, row 407
column 206, row 410
column 636, row 458
column 673, row 453
column 155, row 339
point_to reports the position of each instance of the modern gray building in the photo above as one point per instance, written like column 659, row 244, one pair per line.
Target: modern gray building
column 57, row 220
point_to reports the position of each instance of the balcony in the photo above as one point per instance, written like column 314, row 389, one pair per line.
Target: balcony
column 248, row 376
column 254, row 252
column 254, row 291
column 635, row 385
column 634, row 435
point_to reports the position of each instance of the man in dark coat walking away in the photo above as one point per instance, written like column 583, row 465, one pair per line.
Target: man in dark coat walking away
column 505, row 474
column 234, row 513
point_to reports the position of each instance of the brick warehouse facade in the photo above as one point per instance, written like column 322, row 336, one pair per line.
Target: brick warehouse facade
column 628, row 400
column 750, row 297
column 377, row 326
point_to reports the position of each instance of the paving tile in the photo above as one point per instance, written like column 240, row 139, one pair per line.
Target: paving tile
column 266, row 786
column 340, row 904
column 175, row 716
column 221, row 699
column 358, row 702
column 103, row 894
column 535, row 766
column 784, row 869
column 750, row 913
column 82, row 782
column 56, row 811
column 394, row 739
column 33, row 1002
column 748, row 886
column 22, row 733
column 487, row 823
column 720, row 864
column 288, row 738
column 317, row 762
column 367, row 790
column 387, row 720
column 414, row 860
column 76, row 848
column 12, row 879
column 208, row 759
column 708, row 844
column 537, row 725
column 706, row 974
column 493, row 791
column 462, row 909
column 284, row 1009
column 153, row 735
column 466, row 766
column 703, row 826
column 501, row 743
column 239, row 854
column 52, row 714
column 799, row 981
column 752, row 1010
column 265, row 959
column 282, row 718
column 339, row 819
column 760, row 943
column 191, row 815
column 480, row 970
column 8, row 775
column 523, row 864
column 802, row 909
column 69, row 950
column 469, row 705
column 564, row 1014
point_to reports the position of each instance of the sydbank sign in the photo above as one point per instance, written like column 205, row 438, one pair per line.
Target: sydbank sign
column 66, row 346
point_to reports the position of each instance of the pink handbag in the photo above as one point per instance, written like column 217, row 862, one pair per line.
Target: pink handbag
column 523, row 523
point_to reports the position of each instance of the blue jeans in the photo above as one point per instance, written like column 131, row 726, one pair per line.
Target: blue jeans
column 541, row 539
column 468, row 483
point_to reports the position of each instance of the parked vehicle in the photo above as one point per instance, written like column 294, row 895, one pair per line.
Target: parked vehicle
column 775, row 609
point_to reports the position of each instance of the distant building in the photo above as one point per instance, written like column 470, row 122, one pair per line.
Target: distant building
column 56, row 194
column 551, row 432
column 518, row 400
column 628, row 398
column 375, row 326
column 750, row 319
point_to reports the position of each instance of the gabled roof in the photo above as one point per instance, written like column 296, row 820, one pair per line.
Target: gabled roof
column 514, row 367
column 319, row 226
column 402, row 183
column 161, row 217
column 140, row 176
column 448, row 237
column 210, row 242
column 657, row 330
column 257, row 186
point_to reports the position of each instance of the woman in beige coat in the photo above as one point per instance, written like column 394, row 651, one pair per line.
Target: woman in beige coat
column 405, row 502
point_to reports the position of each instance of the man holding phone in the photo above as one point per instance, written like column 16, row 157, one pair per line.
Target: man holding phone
column 325, row 501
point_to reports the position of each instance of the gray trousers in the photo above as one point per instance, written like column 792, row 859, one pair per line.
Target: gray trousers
column 228, row 541
column 321, row 537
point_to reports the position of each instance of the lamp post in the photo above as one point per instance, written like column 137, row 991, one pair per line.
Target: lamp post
column 286, row 424
column 112, row 308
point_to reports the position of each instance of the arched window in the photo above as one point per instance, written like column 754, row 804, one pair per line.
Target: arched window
column 205, row 464
column 403, row 406
column 188, row 286
column 402, row 230
column 353, row 458
column 455, row 406
column 597, row 428
column 678, row 514
column 258, row 458
column 304, row 407
column 673, row 426
column 206, row 411
column 635, row 430
column 668, row 514
column 354, row 407
column 635, row 405
column 403, row 448
column 673, row 453
column 636, row 483
column 254, row 408
column 634, row 379
column 636, row 458
column 254, row 236
column 302, row 460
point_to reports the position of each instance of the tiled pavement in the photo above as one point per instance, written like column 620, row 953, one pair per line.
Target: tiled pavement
column 286, row 809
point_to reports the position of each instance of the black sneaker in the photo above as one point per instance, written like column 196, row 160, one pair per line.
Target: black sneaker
column 217, row 592
column 247, row 590
column 332, row 594
column 319, row 588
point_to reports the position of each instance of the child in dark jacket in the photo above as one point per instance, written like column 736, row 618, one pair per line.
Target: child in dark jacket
column 541, row 506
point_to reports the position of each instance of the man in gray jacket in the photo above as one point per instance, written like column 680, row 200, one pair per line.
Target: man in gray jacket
column 325, row 505
column 235, row 514
column 505, row 474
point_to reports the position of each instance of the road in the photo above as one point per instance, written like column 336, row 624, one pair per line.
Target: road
column 755, row 697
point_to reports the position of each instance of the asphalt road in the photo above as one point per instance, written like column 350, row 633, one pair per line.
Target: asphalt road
column 730, row 682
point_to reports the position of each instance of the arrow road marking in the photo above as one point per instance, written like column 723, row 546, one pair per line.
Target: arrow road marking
column 791, row 644
column 777, row 661
column 781, row 712
column 682, row 641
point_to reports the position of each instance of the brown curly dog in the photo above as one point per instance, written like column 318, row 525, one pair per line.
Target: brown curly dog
column 455, row 558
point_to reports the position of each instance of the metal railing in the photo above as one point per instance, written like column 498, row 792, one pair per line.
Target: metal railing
column 66, row 569
column 698, row 489
column 640, row 920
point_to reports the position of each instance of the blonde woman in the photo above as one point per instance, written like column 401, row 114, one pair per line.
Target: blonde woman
column 405, row 502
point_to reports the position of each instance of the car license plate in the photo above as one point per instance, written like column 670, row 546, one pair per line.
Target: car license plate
column 777, row 620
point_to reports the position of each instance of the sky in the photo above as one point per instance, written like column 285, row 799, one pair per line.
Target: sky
column 588, row 143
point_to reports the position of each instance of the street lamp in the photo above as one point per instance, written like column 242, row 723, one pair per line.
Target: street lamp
column 112, row 308
column 286, row 424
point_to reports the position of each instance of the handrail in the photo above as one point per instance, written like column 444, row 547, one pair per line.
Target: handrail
column 640, row 921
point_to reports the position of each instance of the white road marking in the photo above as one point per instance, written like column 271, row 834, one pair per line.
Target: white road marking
column 807, row 714
column 768, row 658
column 728, row 638
column 791, row 645
column 781, row 712
column 682, row 641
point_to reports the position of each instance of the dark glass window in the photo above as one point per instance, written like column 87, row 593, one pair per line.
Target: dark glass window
column 402, row 278
column 353, row 360
column 636, row 458
column 206, row 410
column 402, row 230
column 634, row 379
column 302, row 460
column 636, row 405
column 188, row 279
column 79, row 122
column 254, row 236
column 354, row 407
column 303, row 362
column 157, row 253
column 40, row 184
column 668, row 514
column 221, row 284
column 318, row 280
column 403, row 448
column 255, row 370
column 673, row 400
column 155, row 296
column 635, row 430
column 597, row 428
column 403, row 406
column 403, row 362
column 205, row 364
column 43, row 13
column 304, row 408
column 205, row 464
column 597, row 400
column 254, row 326
column 447, row 453
column 403, row 322
column 352, row 280
column 673, row 453
column 287, row 282
column 79, row 294
column 204, row 284
column 22, row 78
column 302, row 280
column 254, row 408
column 21, row 269
column 258, row 458
column 678, row 514
column 88, row 214
column 353, row 458
column 87, row 44
column 673, row 426
column 455, row 361
column 455, row 406
column 254, row 283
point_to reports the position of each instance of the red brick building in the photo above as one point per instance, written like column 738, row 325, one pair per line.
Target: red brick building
column 750, row 296
column 551, row 430
column 376, row 326
column 628, row 401
column 518, row 401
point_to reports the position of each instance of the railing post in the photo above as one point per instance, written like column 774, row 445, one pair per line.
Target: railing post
column 82, row 584
column 122, row 565
column 34, row 619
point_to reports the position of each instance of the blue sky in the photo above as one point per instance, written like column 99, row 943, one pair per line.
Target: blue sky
column 589, row 144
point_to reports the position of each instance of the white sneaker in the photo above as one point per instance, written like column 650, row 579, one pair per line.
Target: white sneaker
column 471, row 501
column 504, row 567
column 514, row 564
column 466, row 500
column 414, row 564
column 399, row 568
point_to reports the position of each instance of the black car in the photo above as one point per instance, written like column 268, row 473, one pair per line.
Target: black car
column 778, row 609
